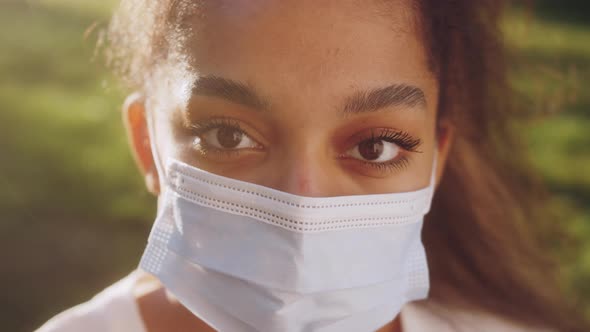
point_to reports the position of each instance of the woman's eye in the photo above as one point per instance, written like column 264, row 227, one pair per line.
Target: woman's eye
column 375, row 151
column 227, row 138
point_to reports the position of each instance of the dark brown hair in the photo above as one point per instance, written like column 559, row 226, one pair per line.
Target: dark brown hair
column 480, row 236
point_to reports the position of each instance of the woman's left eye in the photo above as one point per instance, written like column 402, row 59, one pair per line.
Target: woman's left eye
column 227, row 138
column 374, row 150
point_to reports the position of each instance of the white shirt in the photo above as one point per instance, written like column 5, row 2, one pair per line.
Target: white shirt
column 115, row 310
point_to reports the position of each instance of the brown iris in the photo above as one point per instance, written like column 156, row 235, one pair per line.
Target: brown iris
column 371, row 149
column 229, row 138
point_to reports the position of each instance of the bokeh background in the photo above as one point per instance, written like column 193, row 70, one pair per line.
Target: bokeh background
column 74, row 215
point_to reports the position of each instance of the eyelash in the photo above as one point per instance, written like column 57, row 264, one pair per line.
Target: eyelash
column 401, row 138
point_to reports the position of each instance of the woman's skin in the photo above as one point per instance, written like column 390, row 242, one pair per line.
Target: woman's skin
column 314, row 98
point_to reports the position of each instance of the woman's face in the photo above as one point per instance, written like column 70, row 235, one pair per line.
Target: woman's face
column 314, row 98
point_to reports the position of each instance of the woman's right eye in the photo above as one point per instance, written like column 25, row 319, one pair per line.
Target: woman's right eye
column 227, row 138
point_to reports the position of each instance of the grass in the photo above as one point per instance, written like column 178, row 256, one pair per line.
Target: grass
column 74, row 214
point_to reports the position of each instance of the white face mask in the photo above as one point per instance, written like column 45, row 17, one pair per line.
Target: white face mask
column 243, row 257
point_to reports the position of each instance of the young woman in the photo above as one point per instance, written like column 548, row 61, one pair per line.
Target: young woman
column 296, row 146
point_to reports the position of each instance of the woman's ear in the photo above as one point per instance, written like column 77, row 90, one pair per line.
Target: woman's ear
column 134, row 118
column 445, row 137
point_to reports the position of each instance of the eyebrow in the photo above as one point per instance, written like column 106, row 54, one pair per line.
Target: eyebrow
column 236, row 92
column 360, row 102
column 391, row 96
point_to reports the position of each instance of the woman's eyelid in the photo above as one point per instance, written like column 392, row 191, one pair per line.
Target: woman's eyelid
column 402, row 138
column 205, row 126
column 209, row 124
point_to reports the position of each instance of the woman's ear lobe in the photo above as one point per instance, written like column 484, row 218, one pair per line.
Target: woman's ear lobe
column 134, row 118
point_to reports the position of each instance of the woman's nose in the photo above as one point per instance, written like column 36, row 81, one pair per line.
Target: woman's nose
column 307, row 174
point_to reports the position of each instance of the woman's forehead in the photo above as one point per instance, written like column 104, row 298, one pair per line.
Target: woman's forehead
column 315, row 46
column 300, row 22
column 238, row 8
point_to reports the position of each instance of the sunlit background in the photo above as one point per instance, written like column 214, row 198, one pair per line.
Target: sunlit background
column 74, row 215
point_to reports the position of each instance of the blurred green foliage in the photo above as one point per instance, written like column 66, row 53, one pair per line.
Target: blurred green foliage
column 74, row 215
column 550, row 67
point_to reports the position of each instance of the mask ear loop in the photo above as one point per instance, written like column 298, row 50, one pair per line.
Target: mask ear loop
column 152, row 137
column 162, row 178
column 432, row 184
